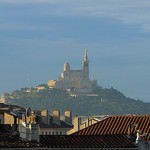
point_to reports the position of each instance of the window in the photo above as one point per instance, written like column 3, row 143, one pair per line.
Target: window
column 42, row 133
column 60, row 132
column 45, row 132
column 49, row 132
column 56, row 132
column 53, row 132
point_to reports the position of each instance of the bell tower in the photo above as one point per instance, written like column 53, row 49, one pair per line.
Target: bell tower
column 86, row 66
column 3, row 100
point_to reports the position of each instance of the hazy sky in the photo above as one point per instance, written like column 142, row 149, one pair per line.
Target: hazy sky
column 38, row 36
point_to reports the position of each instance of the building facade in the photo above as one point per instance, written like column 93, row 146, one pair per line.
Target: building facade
column 77, row 80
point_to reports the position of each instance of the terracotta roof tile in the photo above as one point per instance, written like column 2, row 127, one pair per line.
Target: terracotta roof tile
column 119, row 125
column 87, row 141
column 65, row 141
column 7, row 140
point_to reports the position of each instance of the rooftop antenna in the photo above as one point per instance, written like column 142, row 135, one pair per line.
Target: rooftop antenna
column 28, row 83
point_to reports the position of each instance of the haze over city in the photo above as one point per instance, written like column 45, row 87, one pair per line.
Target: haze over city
column 38, row 36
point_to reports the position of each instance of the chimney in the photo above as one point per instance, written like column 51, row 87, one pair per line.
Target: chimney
column 87, row 122
column 15, row 126
column 23, row 118
column 45, row 116
column 131, row 129
column 56, row 116
column 33, row 119
column 68, row 116
column 77, row 122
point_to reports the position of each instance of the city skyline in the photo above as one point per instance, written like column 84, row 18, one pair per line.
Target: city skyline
column 38, row 36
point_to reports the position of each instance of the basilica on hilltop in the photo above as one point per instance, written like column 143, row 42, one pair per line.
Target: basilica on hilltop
column 78, row 80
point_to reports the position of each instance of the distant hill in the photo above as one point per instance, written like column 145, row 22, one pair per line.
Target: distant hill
column 109, row 101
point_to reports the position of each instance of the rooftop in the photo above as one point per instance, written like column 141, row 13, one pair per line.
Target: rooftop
column 55, row 125
column 116, row 141
column 119, row 125
column 87, row 141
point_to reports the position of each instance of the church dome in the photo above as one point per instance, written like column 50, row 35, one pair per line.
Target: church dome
column 66, row 66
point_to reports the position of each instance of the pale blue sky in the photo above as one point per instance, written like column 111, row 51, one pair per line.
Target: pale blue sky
column 38, row 36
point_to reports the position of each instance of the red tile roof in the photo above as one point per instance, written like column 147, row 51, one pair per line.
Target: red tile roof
column 119, row 125
column 66, row 141
column 17, row 143
column 7, row 140
column 5, row 130
column 87, row 141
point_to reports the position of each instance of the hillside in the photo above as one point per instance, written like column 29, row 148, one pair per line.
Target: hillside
column 109, row 101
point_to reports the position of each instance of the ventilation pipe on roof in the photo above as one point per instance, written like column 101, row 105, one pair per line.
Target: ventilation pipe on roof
column 138, row 138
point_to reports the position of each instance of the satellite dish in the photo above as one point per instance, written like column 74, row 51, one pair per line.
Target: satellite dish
column 28, row 112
